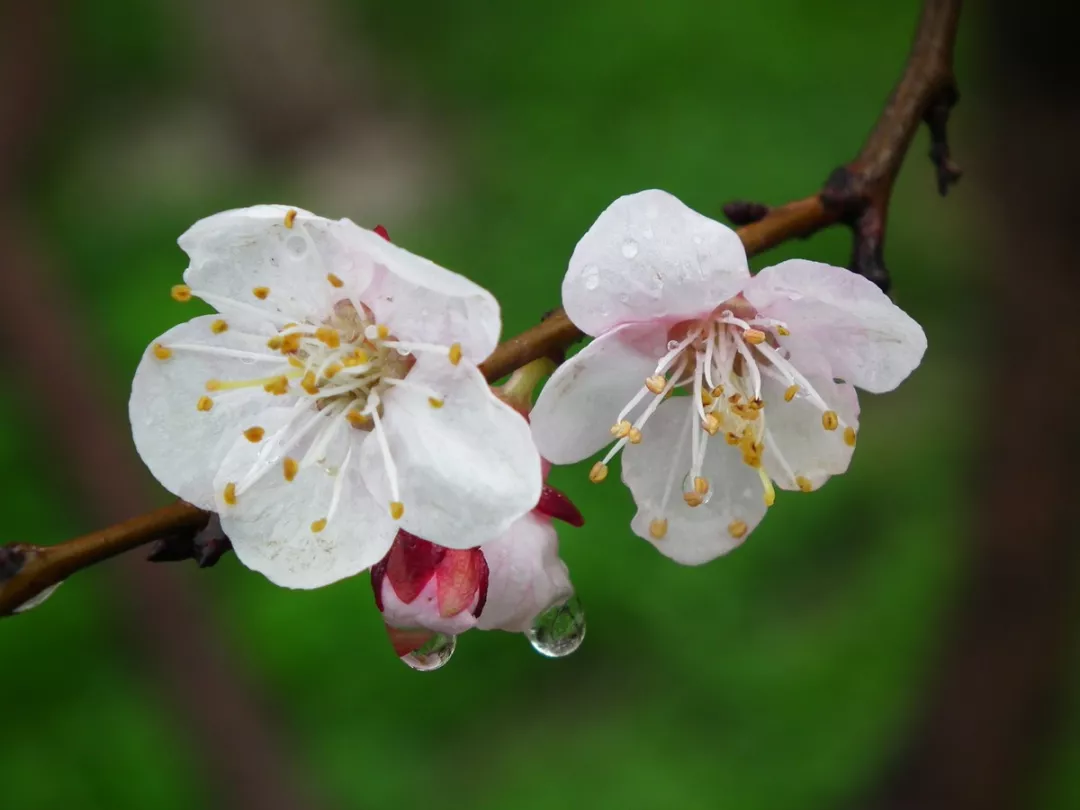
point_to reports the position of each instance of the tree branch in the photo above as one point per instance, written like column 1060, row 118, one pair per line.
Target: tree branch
column 856, row 194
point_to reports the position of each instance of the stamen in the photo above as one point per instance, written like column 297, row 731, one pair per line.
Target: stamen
column 455, row 354
column 658, row 528
column 693, row 499
column 290, row 467
column 334, row 280
column 274, row 342
column 261, row 292
column 701, row 485
column 308, row 383
column 290, row 343
column 329, row 336
column 770, row 493
column 621, row 429
column 204, row 403
column 634, row 435
column 711, row 424
column 754, row 336
column 218, row 351
column 332, row 370
column 435, row 403
column 790, row 393
column 829, row 420
column 290, row 217
column 737, row 529
column 318, row 525
column 803, row 483
column 181, row 293
column 161, row 352
column 849, row 436
column 357, row 419
column 397, row 509
column 783, row 331
column 598, row 472
column 219, row 326
column 388, row 462
column 254, row 434
column 229, row 494
column 656, row 383
column 278, row 386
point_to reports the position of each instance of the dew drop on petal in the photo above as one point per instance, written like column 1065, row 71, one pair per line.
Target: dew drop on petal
column 591, row 274
column 432, row 655
column 672, row 345
column 647, row 233
column 688, row 487
column 559, row 630
column 629, row 248
column 296, row 246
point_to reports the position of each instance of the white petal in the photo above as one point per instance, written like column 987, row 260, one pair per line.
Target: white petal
column 867, row 339
column 525, row 575
column 655, row 469
column 270, row 525
column 423, row 302
column 423, row 611
column 798, row 444
column 235, row 252
column 182, row 445
column 573, row 416
column 649, row 257
column 466, row 470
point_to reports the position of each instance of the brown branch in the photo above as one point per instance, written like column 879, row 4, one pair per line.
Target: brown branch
column 856, row 194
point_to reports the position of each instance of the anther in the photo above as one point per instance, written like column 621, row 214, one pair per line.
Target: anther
column 397, row 509
column 718, row 391
column 434, row 402
column 790, row 393
column 783, row 331
column 634, row 435
column 213, row 385
column 181, row 293
column 701, row 485
column 382, row 331
column 770, row 493
column 657, row 528
column 803, row 483
column 332, row 370
column 693, row 499
column 277, row 386
column 295, row 361
column 290, row 344
column 711, row 424
column 254, row 434
column 737, row 529
column 656, row 383
column 731, row 439
column 229, row 495
column 290, row 217
column 161, row 352
column 357, row 419
column 757, row 403
column 219, row 326
column 308, row 383
column 204, row 403
column 754, row 336
column 289, row 468
column 598, row 472
column 274, row 343
column 357, row 358
column 329, row 336
column 849, row 436
column 318, row 525
column 707, row 398
column 621, row 429
column 261, row 292
column 455, row 354
column 829, row 420
column 334, row 280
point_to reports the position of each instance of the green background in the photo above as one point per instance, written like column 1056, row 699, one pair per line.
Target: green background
column 776, row 678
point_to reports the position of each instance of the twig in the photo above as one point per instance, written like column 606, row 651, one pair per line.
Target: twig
column 856, row 194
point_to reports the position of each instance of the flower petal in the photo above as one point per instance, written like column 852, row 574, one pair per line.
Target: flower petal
column 467, row 469
column 573, row 416
column 303, row 268
column 272, row 524
column 423, row 302
column 797, row 445
column 655, row 469
column 181, row 444
column 649, row 257
column 526, row 576
column 423, row 611
column 867, row 339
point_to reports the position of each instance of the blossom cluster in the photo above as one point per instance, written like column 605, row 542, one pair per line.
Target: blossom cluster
column 333, row 414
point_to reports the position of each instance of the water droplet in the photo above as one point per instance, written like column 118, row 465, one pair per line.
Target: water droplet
column 34, row 601
column 559, row 630
column 247, row 361
column 591, row 274
column 432, row 655
column 296, row 246
column 629, row 248
column 688, row 487
column 647, row 233
column 697, row 239
column 672, row 345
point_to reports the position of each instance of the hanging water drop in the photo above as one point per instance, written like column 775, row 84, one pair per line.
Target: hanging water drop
column 433, row 655
column 692, row 490
column 559, row 630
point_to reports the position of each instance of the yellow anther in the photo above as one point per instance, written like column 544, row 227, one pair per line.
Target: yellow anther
column 260, row 292
column 290, row 344
column 455, row 354
column 332, row 370
column 290, row 217
column 308, row 383
column 229, row 494
column 849, row 436
column 731, row 439
column 717, row 392
column 289, row 468
column 701, row 485
column 657, row 528
column 634, row 436
column 277, row 386
column 318, row 525
column 334, row 280
column 754, row 336
column 757, row 403
column 711, row 424
column 783, row 331
column 790, row 393
column 737, row 529
column 356, row 358
column 435, row 402
column 213, row 385
column 656, row 383
column 295, row 361
column 357, row 419
column 598, row 472
column 621, row 429
column 707, row 398
column 803, row 483
column 161, row 352
column 219, row 326
column 829, row 420
column 397, row 509
column 274, row 342
column 254, row 434
column 770, row 493
column 329, row 336
column 181, row 293
column 204, row 403
column 382, row 331
column 693, row 499
column 734, row 399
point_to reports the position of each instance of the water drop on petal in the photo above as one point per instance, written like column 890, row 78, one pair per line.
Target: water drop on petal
column 630, row 248
column 688, row 487
column 432, row 655
column 559, row 630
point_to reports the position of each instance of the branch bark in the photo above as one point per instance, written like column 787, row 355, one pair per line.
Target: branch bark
column 856, row 194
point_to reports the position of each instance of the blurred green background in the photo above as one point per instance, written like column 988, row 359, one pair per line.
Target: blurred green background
column 488, row 136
